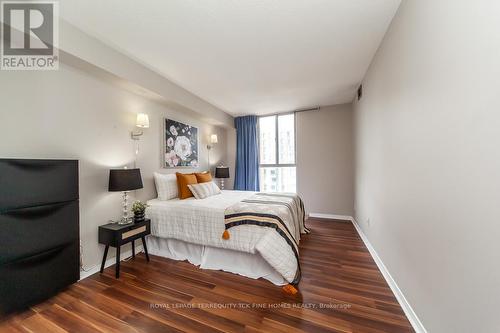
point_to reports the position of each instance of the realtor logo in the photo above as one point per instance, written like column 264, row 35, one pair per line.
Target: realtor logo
column 30, row 35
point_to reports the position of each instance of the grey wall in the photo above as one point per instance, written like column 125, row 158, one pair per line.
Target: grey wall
column 325, row 167
column 72, row 114
column 231, row 157
column 428, row 161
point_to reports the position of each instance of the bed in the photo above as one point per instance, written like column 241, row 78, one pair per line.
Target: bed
column 247, row 233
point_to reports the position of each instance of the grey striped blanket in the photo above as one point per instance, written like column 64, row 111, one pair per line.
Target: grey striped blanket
column 282, row 213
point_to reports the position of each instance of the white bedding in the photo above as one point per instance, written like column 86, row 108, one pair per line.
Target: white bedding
column 250, row 265
column 202, row 222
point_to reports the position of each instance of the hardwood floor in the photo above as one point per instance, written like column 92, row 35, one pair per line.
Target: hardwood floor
column 341, row 291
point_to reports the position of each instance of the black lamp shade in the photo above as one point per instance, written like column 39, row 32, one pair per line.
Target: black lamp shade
column 222, row 172
column 124, row 180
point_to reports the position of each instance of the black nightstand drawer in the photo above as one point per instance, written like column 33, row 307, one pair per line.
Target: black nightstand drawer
column 133, row 234
column 137, row 231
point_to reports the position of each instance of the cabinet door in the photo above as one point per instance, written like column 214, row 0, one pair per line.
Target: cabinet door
column 36, row 278
column 25, row 183
column 25, row 232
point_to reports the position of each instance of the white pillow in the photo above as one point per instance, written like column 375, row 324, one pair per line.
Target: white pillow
column 204, row 190
column 166, row 186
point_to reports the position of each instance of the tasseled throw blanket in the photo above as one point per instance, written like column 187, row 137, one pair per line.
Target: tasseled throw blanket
column 282, row 212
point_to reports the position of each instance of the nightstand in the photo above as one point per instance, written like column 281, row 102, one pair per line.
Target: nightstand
column 116, row 235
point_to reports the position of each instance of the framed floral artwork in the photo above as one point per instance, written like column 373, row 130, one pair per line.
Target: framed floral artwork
column 181, row 145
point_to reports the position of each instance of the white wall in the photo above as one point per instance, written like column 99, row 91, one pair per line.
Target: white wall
column 428, row 160
column 72, row 114
column 325, row 170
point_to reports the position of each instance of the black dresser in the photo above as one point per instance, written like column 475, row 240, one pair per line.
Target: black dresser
column 39, row 230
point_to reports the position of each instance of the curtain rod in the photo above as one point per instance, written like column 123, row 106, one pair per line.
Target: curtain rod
column 287, row 112
column 308, row 109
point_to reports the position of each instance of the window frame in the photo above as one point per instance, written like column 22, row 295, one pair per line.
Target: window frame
column 276, row 126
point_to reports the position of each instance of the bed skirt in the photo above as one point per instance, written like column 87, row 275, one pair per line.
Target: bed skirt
column 246, row 264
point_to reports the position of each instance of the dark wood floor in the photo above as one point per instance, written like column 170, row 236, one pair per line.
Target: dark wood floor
column 341, row 291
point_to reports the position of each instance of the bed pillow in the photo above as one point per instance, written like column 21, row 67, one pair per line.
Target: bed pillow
column 204, row 190
column 203, row 177
column 166, row 186
column 183, row 180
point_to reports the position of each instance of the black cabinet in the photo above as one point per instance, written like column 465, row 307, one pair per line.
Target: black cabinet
column 39, row 230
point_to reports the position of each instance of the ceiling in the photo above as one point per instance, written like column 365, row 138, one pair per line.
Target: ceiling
column 245, row 57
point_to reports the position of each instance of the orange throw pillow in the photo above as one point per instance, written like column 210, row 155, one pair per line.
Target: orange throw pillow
column 183, row 180
column 203, row 177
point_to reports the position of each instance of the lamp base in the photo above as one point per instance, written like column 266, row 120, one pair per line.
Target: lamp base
column 125, row 218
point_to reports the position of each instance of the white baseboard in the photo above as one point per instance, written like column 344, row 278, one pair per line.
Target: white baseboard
column 331, row 216
column 109, row 262
column 408, row 310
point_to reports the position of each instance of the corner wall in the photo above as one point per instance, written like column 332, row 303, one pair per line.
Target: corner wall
column 325, row 168
column 427, row 154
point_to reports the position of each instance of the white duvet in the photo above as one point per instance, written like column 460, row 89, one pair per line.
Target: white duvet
column 202, row 222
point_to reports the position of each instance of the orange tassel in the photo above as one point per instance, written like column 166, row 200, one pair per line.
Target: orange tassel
column 289, row 289
column 225, row 234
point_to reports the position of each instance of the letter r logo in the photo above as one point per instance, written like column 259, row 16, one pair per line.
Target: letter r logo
column 28, row 28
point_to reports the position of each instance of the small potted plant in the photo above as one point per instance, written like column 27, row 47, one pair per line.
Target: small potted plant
column 139, row 208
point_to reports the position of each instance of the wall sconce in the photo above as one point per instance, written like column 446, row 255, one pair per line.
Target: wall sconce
column 213, row 141
column 142, row 121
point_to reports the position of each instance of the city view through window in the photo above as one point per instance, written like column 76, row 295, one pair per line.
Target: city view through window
column 277, row 153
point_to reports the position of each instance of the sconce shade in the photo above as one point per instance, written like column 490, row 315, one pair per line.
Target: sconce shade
column 142, row 120
column 124, row 180
column 222, row 172
column 213, row 138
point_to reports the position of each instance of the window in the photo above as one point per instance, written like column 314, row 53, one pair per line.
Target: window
column 277, row 153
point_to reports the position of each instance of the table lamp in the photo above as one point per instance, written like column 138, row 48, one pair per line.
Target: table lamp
column 124, row 180
column 222, row 172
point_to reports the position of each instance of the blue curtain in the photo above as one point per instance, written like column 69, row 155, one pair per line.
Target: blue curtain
column 247, row 154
